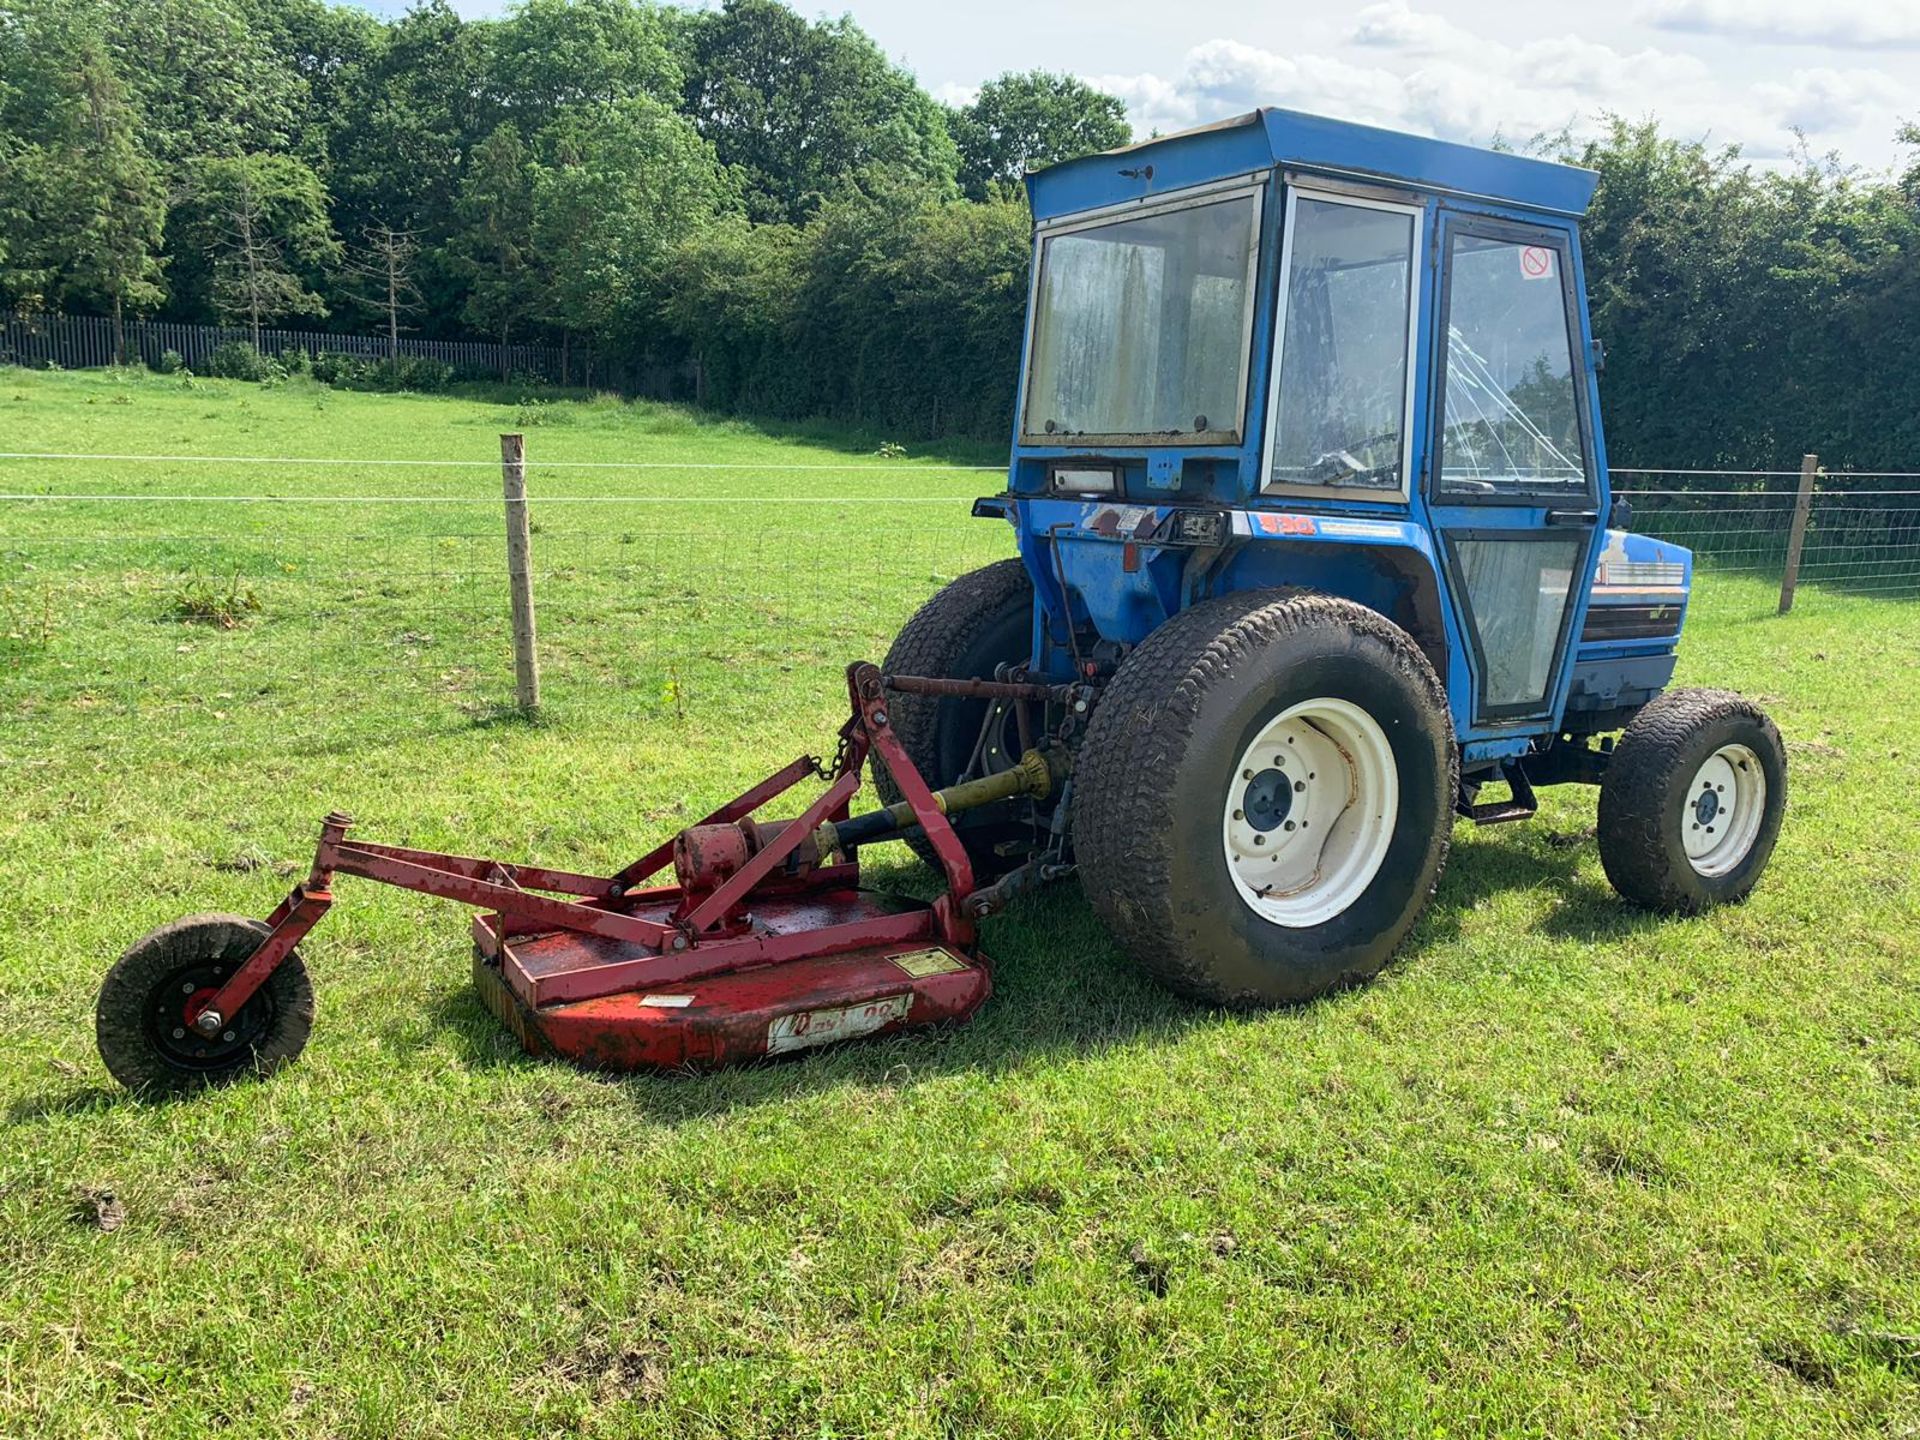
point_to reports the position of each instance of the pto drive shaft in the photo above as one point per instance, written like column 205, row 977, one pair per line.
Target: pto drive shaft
column 705, row 856
column 1035, row 774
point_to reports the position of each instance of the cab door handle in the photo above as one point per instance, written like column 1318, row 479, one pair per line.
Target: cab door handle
column 1573, row 517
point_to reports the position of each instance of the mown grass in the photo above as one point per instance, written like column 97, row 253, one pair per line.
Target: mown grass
column 1566, row 1169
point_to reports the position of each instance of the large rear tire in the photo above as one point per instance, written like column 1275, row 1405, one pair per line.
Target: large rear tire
column 1692, row 802
column 1263, row 801
column 978, row 622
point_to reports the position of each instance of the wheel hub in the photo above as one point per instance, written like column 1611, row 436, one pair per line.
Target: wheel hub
column 182, row 995
column 1268, row 799
column 1720, row 821
column 1310, row 812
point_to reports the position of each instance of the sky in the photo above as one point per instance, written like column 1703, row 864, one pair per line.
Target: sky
column 1843, row 73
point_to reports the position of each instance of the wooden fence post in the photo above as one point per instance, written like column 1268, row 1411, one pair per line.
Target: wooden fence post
column 1797, row 536
column 526, row 661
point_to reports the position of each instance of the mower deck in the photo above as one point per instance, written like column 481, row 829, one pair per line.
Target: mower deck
column 732, row 1017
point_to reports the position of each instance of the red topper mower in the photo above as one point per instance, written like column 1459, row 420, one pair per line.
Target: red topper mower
column 764, row 943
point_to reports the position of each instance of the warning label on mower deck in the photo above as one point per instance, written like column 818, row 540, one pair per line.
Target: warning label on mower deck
column 823, row 1027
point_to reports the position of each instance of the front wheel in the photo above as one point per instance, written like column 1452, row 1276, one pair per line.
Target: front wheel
column 140, row 1019
column 1264, row 797
column 1692, row 801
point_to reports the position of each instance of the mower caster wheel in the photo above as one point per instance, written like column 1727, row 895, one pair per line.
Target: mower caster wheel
column 1692, row 802
column 140, row 1019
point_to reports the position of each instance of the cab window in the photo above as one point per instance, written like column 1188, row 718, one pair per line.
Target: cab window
column 1340, row 398
column 1512, row 419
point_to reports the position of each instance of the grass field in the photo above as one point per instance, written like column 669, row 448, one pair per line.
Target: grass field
column 1564, row 1170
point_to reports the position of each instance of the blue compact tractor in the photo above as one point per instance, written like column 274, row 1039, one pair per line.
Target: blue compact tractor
column 1313, row 519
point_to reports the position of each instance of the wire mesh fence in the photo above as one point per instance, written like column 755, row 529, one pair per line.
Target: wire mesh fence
column 1862, row 534
column 167, row 607
column 145, row 623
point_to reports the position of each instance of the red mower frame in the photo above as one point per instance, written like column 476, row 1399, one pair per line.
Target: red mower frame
column 612, row 971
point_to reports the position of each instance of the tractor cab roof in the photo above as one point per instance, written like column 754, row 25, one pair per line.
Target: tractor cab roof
column 1265, row 138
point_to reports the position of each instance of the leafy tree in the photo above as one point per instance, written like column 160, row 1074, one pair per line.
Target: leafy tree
column 1021, row 122
column 550, row 55
column 205, row 81
column 807, row 109
column 495, row 244
column 422, row 94
column 626, row 182
column 111, row 205
column 83, row 220
column 263, row 222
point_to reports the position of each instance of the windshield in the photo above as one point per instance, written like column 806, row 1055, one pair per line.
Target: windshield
column 1140, row 326
column 1340, row 398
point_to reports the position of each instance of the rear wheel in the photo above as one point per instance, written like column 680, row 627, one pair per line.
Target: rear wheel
column 1264, row 798
column 975, row 624
column 1692, row 801
column 140, row 1019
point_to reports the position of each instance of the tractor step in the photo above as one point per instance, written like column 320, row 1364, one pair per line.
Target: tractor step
column 1520, row 805
column 729, row 1018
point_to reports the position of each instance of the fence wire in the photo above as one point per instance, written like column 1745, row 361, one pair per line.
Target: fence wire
column 1862, row 535
column 146, row 627
column 163, row 610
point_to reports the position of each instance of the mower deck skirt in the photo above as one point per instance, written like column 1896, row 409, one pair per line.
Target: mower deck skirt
column 727, row 1018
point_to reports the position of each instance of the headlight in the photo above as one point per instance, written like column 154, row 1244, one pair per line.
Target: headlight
column 1085, row 479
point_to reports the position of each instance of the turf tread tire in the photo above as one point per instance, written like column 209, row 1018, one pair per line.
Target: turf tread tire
column 1663, row 747
column 1145, row 722
column 958, row 617
column 120, row 1010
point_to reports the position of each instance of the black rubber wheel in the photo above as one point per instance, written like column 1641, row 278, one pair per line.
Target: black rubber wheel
column 1164, row 766
column 140, row 1020
column 980, row 621
column 1677, row 832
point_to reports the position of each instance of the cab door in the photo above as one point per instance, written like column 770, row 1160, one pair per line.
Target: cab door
column 1513, row 483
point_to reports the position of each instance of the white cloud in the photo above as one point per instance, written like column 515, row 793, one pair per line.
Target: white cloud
column 1845, row 23
column 1411, row 70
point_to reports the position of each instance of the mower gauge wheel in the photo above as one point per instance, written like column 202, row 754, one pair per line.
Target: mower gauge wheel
column 141, row 1018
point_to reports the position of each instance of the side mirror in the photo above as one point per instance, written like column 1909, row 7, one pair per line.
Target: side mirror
column 1620, row 514
column 1599, row 356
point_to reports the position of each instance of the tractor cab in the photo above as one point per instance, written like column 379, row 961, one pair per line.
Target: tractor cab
column 1290, row 351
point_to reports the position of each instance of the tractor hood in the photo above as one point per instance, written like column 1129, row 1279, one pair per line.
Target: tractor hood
column 1263, row 139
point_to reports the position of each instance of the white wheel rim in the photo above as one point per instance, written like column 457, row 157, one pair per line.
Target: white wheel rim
column 1720, row 817
column 1310, row 812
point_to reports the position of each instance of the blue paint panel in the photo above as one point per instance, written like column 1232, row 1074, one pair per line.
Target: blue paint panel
column 1270, row 137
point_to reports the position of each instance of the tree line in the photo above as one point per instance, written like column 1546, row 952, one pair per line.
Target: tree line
column 774, row 202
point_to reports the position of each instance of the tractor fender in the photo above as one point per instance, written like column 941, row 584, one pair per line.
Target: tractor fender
column 1388, row 565
column 1125, row 568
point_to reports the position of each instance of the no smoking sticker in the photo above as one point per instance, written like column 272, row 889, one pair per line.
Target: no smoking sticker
column 1536, row 262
